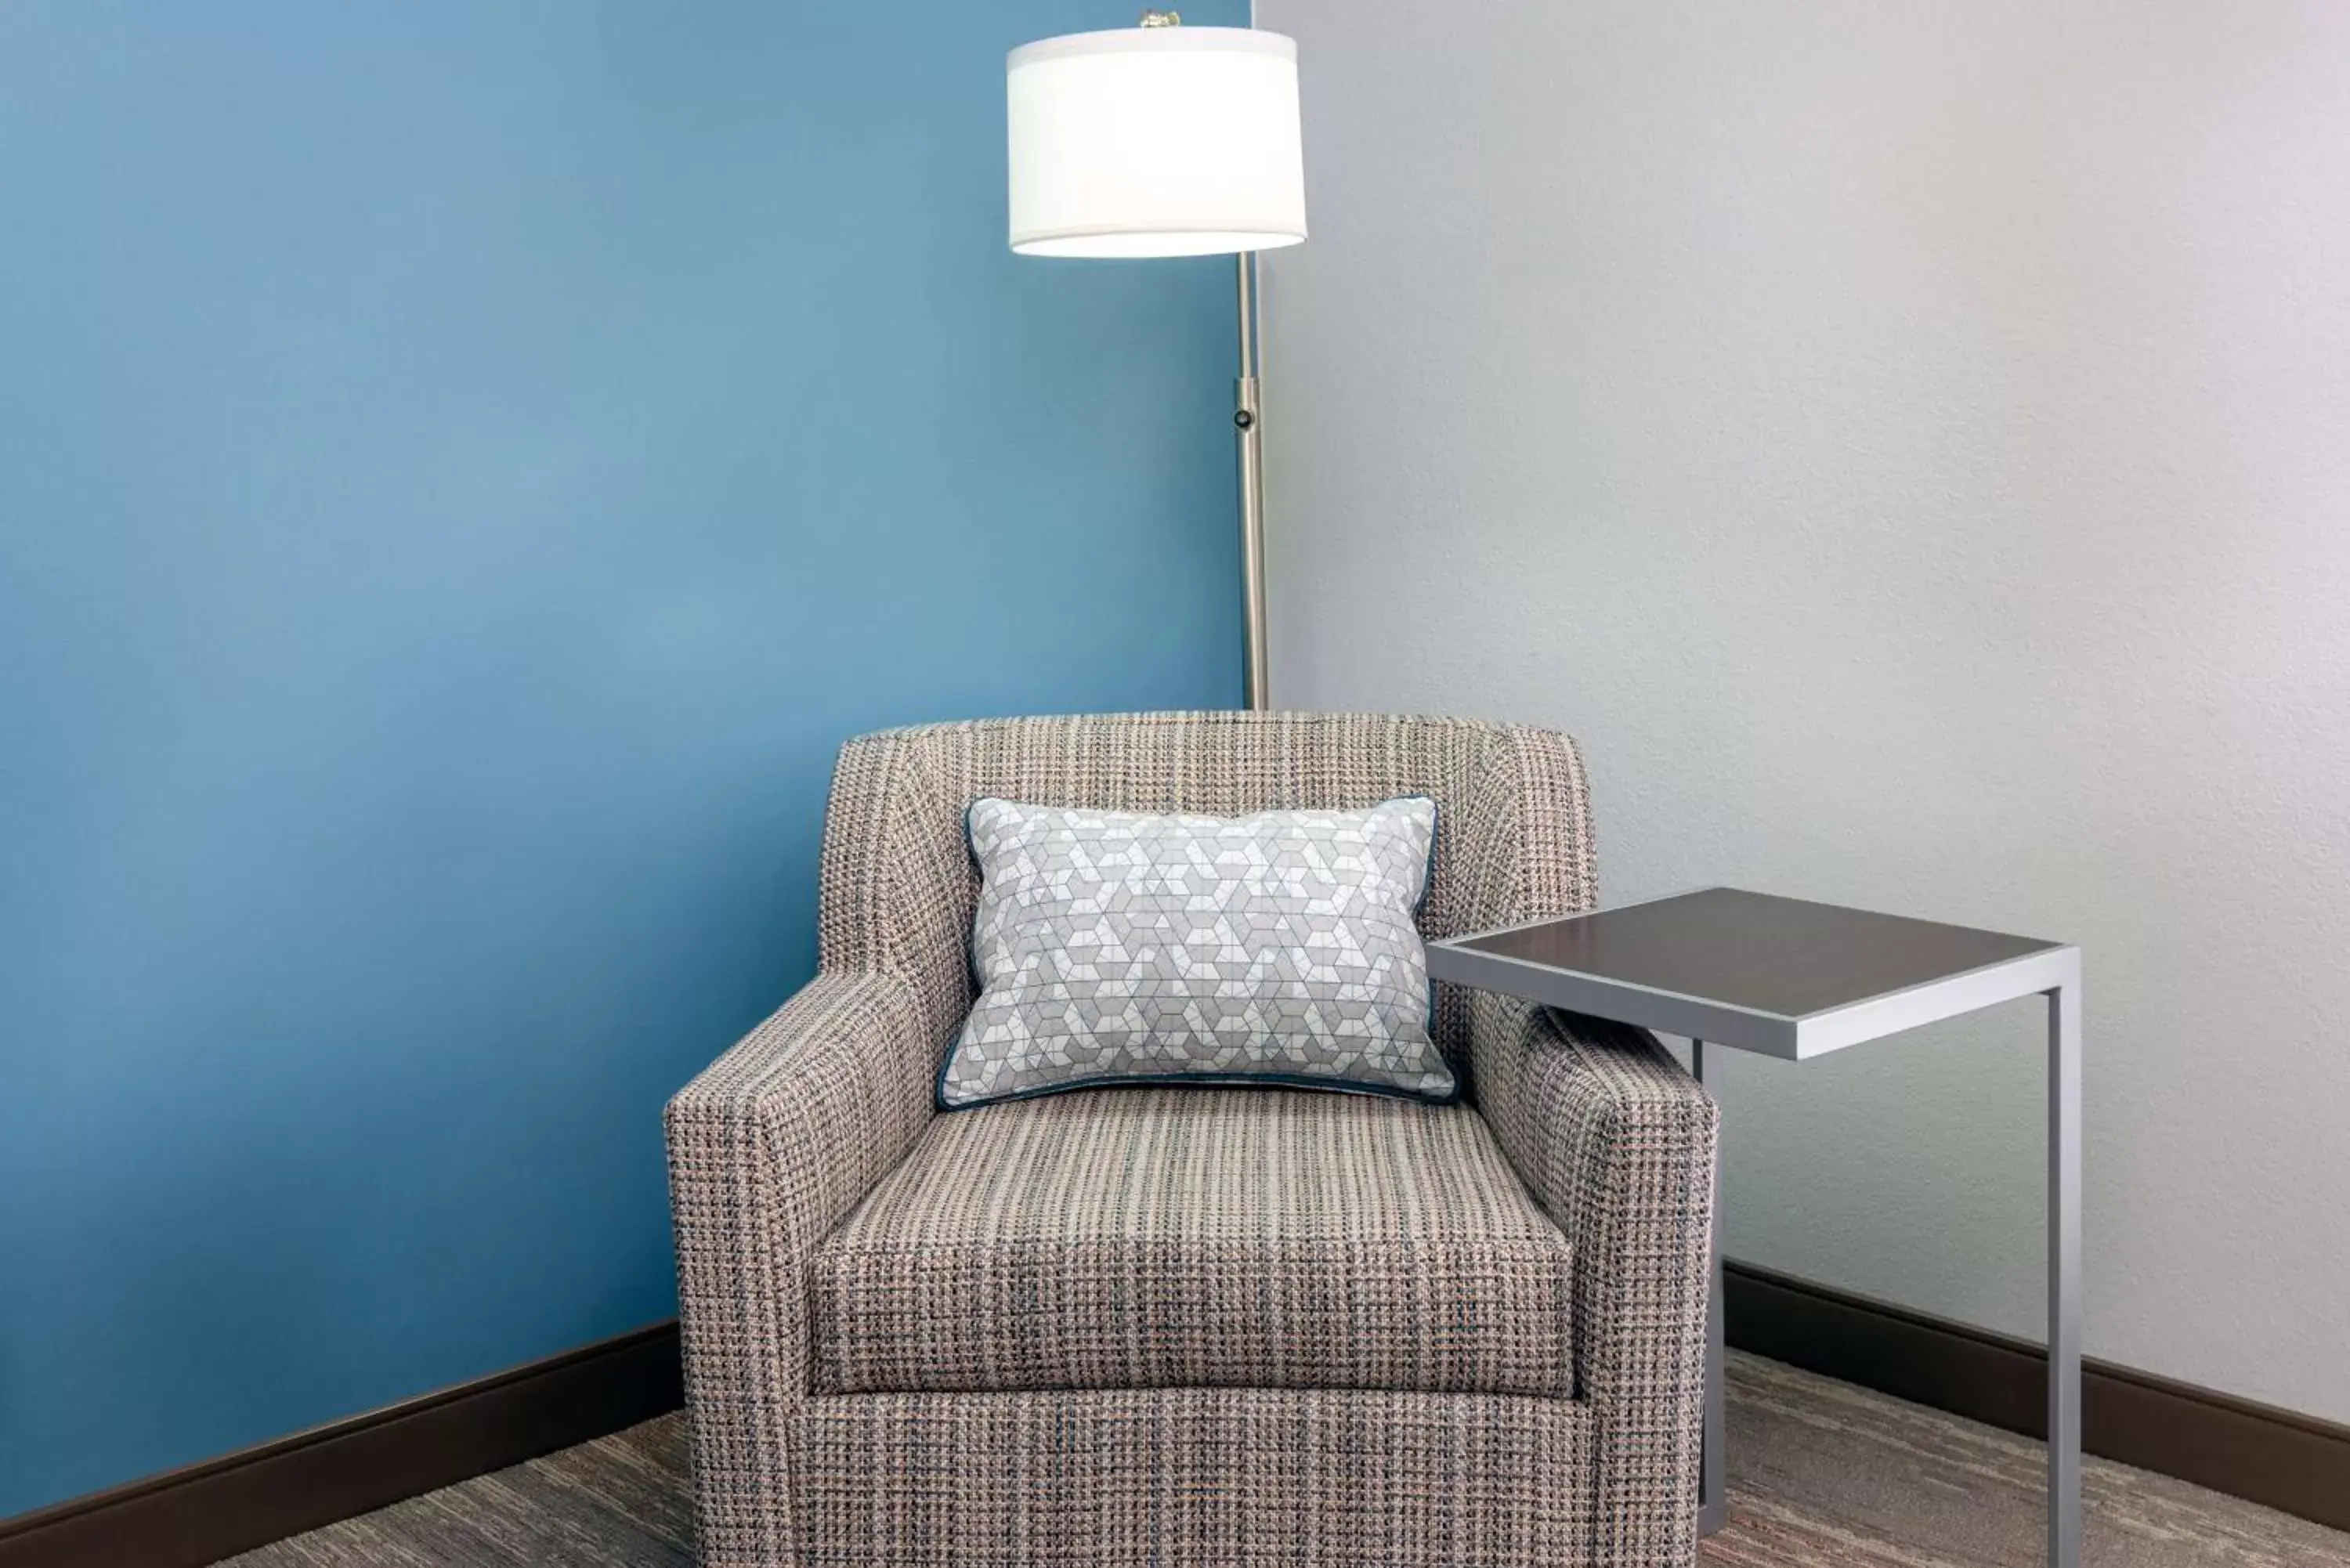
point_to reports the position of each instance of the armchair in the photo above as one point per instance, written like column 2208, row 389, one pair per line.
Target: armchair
column 1178, row 1326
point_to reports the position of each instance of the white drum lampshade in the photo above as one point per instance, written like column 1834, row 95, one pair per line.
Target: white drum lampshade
column 1155, row 142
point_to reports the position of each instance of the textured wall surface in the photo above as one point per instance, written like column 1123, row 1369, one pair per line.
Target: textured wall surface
column 1910, row 445
column 462, row 470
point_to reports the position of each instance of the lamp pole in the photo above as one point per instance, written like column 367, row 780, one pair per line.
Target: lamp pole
column 1248, row 423
column 1247, row 417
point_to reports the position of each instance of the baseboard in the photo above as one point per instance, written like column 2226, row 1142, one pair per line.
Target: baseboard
column 190, row 1517
column 2289, row 1461
column 198, row 1514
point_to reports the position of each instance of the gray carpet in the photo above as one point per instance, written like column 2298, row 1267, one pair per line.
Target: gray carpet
column 1821, row 1475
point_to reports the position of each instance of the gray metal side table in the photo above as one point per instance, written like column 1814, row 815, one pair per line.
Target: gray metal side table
column 1796, row 980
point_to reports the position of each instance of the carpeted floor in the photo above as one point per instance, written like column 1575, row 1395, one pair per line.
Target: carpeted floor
column 1821, row 1475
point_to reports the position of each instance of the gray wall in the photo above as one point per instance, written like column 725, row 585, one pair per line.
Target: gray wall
column 1910, row 446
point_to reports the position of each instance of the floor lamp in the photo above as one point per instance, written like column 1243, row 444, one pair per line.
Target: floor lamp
column 1167, row 141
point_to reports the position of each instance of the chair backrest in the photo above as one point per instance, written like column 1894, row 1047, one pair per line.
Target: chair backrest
column 1513, row 832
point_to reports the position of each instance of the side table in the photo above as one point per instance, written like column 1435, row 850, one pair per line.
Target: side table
column 1791, row 979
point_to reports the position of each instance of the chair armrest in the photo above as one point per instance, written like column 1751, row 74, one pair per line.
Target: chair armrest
column 1617, row 1142
column 768, row 1149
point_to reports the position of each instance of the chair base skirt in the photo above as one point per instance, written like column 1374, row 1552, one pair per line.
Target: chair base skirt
column 1233, row 1477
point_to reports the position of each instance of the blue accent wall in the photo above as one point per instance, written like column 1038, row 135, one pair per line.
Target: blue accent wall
column 464, row 469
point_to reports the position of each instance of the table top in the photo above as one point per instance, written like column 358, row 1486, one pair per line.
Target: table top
column 1784, row 976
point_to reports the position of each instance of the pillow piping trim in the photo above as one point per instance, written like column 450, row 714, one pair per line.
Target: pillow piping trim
column 1451, row 1097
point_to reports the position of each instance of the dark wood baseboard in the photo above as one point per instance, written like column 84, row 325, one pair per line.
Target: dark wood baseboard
column 2289, row 1461
column 188, row 1517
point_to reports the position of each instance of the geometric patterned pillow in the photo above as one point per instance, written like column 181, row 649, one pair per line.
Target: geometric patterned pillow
column 1115, row 948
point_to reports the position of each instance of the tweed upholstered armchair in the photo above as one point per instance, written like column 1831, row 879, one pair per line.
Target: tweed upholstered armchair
column 1189, row 1326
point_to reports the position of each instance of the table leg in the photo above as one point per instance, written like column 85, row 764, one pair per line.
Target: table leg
column 2065, row 1274
column 1713, row 1495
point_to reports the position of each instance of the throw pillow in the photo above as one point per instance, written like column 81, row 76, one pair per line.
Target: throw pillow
column 1281, row 948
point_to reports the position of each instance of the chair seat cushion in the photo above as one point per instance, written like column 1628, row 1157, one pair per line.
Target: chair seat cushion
column 1143, row 1238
